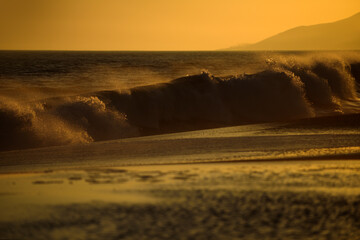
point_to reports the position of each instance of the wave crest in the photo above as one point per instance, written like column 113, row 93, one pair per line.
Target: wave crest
column 70, row 121
column 289, row 89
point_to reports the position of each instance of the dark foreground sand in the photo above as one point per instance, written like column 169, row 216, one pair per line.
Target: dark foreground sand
column 245, row 200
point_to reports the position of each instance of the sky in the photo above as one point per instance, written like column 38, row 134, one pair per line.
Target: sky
column 156, row 24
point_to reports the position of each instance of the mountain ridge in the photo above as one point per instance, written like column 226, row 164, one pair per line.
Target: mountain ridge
column 343, row 34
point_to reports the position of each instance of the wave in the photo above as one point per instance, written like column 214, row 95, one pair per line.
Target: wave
column 290, row 88
column 59, row 122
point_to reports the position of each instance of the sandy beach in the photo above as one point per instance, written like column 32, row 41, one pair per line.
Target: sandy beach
column 244, row 200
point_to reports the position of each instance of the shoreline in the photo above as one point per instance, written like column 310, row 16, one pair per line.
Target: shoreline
column 301, row 140
column 16, row 169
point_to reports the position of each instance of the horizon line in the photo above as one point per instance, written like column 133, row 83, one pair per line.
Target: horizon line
column 216, row 50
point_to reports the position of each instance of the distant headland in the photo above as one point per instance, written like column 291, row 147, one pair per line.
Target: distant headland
column 339, row 35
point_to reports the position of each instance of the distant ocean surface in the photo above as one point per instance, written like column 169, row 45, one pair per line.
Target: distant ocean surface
column 61, row 98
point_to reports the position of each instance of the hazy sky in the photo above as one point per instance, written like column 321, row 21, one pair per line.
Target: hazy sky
column 157, row 24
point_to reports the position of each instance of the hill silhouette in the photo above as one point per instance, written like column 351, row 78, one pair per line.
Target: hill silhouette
column 339, row 35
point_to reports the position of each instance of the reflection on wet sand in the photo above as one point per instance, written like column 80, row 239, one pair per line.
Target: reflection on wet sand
column 276, row 200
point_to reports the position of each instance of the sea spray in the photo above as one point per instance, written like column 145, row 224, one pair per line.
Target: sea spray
column 290, row 87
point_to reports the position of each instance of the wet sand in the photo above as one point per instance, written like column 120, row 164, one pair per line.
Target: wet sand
column 244, row 200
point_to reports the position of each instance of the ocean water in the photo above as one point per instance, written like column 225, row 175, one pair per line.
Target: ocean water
column 97, row 145
column 71, row 98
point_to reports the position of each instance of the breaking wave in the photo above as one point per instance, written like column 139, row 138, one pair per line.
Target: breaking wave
column 288, row 89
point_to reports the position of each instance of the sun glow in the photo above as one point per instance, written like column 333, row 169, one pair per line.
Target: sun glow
column 156, row 24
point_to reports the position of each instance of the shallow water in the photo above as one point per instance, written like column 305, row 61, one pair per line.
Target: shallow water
column 320, row 138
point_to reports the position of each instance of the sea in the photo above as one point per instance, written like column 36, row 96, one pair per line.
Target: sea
column 179, row 145
column 165, row 107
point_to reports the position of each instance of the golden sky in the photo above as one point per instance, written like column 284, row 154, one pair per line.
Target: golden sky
column 157, row 24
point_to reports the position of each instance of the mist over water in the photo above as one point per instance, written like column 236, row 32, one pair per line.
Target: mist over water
column 57, row 98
